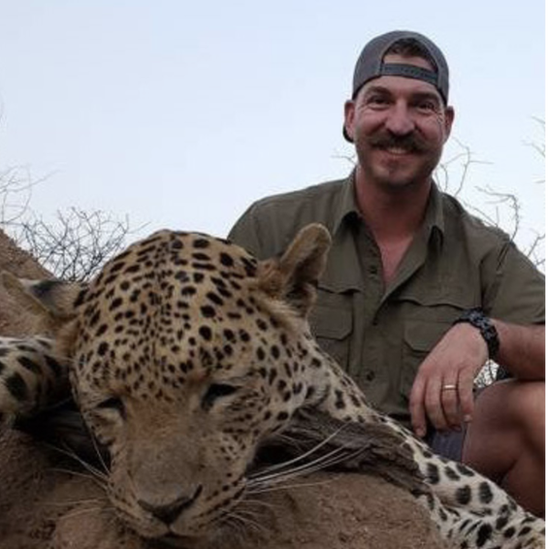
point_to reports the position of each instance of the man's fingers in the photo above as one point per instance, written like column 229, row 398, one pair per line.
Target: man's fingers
column 417, row 409
column 434, row 405
column 451, row 400
column 466, row 400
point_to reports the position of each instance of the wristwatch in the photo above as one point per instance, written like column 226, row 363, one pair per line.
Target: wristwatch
column 487, row 330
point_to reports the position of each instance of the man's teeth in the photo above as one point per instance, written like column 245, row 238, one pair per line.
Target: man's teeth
column 397, row 150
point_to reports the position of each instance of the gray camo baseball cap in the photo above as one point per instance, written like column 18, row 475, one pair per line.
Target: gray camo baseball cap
column 370, row 64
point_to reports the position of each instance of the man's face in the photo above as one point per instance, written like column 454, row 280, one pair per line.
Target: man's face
column 399, row 126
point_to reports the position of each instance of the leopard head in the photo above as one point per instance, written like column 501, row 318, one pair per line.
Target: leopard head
column 186, row 355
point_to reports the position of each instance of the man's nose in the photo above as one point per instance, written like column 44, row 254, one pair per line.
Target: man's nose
column 399, row 120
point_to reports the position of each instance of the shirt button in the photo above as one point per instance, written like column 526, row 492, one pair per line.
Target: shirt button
column 372, row 269
column 370, row 376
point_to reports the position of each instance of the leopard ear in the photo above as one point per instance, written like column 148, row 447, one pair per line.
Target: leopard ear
column 294, row 276
column 53, row 299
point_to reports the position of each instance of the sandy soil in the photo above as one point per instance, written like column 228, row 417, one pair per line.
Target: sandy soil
column 43, row 507
column 14, row 319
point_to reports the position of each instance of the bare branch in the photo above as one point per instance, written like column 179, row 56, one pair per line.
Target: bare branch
column 76, row 245
column 464, row 159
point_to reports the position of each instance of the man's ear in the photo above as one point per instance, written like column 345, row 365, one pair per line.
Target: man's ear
column 53, row 299
column 349, row 120
column 449, row 115
column 295, row 275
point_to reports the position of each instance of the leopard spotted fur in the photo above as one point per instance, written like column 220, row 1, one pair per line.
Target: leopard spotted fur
column 187, row 354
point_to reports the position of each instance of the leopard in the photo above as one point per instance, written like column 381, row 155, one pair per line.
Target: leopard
column 32, row 377
column 186, row 354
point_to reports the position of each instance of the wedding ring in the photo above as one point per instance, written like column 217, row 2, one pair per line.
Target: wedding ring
column 449, row 387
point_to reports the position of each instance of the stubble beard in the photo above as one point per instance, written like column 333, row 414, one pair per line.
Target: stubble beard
column 396, row 174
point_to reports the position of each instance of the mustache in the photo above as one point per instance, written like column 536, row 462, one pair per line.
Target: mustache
column 409, row 142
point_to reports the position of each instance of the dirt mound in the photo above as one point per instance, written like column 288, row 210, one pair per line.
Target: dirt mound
column 43, row 507
column 15, row 320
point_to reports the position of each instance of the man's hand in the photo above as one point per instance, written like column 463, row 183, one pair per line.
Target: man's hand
column 443, row 389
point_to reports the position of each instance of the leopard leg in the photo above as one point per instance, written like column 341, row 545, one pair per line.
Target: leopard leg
column 468, row 508
column 31, row 377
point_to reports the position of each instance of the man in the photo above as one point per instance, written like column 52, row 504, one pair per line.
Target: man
column 417, row 294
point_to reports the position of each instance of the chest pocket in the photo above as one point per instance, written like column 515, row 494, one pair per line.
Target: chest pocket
column 332, row 329
column 428, row 317
column 420, row 336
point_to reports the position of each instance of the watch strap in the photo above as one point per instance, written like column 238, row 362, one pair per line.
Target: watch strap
column 479, row 320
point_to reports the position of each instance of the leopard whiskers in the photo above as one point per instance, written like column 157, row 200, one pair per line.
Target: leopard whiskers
column 96, row 501
column 284, row 484
column 95, row 473
column 78, row 511
column 252, row 502
column 291, row 441
column 99, row 482
column 242, row 520
column 280, row 476
column 100, row 455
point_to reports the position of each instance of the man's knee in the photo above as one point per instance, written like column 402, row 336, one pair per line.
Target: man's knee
column 514, row 405
column 509, row 416
column 506, row 440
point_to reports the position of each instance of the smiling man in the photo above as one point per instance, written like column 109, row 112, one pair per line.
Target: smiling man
column 418, row 294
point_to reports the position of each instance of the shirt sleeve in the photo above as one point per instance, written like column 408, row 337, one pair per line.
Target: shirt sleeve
column 267, row 227
column 517, row 292
column 246, row 233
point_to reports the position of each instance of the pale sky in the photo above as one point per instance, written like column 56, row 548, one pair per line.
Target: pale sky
column 179, row 114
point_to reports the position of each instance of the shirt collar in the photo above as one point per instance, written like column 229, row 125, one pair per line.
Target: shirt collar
column 346, row 212
column 434, row 215
column 342, row 270
column 348, row 207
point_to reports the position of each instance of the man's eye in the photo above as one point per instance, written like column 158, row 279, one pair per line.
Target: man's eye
column 377, row 101
column 427, row 106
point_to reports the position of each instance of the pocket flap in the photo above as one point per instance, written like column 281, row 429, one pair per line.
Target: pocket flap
column 331, row 323
column 423, row 335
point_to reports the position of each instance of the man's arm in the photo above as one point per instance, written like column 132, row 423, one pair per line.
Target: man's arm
column 457, row 359
column 522, row 350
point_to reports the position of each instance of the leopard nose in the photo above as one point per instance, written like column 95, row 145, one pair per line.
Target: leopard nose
column 167, row 512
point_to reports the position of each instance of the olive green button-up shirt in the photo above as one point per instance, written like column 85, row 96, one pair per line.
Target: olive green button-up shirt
column 380, row 335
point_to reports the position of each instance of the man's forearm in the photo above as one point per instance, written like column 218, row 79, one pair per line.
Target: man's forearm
column 522, row 350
